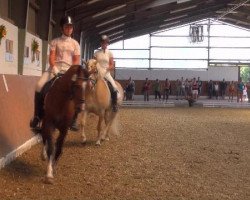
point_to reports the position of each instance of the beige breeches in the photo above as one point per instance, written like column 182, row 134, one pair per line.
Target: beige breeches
column 111, row 80
column 106, row 74
column 49, row 74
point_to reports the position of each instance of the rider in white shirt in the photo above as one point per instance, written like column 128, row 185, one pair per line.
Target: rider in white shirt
column 64, row 52
column 106, row 61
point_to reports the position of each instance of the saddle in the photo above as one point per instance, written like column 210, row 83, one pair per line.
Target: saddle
column 49, row 84
column 44, row 91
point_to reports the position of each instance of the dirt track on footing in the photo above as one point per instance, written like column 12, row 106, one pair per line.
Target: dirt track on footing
column 172, row 153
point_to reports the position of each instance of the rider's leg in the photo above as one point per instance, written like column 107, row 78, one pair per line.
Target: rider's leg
column 114, row 92
column 38, row 100
column 111, row 80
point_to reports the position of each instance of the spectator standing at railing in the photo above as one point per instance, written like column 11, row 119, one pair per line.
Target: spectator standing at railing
column 199, row 86
column 166, row 91
column 145, row 89
column 157, row 89
column 178, row 88
column 210, row 89
column 240, row 88
column 223, row 87
column 216, row 89
column 187, row 84
column 248, row 89
column 195, row 89
column 182, row 90
column 231, row 90
column 130, row 89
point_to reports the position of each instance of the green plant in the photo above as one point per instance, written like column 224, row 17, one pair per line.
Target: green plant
column 34, row 45
column 3, row 32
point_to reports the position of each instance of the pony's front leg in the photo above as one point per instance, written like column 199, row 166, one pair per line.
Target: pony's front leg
column 44, row 153
column 50, row 153
column 44, row 149
column 59, row 143
column 50, row 168
column 99, row 130
column 82, row 127
column 109, row 120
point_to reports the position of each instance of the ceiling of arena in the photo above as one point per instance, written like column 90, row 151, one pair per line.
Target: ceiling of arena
column 123, row 19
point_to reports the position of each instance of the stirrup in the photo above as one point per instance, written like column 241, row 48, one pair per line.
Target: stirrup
column 74, row 127
column 34, row 123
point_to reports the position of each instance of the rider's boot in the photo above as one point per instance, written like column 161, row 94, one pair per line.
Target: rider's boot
column 34, row 123
column 114, row 100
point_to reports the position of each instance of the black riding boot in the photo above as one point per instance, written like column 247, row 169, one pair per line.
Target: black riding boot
column 38, row 110
column 114, row 101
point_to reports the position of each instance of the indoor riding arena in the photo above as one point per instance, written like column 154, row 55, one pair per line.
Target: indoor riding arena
column 181, row 131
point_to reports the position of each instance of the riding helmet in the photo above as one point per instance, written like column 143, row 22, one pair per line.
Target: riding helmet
column 66, row 20
column 104, row 38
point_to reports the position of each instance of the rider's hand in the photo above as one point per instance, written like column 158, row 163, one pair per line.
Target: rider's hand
column 55, row 70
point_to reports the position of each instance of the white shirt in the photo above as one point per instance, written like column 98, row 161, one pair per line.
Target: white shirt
column 66, row 48
column 103, row 57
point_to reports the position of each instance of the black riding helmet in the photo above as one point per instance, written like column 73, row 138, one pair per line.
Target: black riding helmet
column 66, row 20
column 105, row 38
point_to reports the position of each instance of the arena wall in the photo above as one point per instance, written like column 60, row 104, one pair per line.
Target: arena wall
column 212, row 73
column 16, row 100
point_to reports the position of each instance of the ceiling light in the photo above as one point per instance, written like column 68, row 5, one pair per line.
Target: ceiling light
column 177, row 17
column 121, row 36
column 182, row 9
column 112, row 28
column 116, row 33
column 168, row 24
column 109, row 21
column 93, row 1
column 182, row 1
column 108, row 11
column 221, row 12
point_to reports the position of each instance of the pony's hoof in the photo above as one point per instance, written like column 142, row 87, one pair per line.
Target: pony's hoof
column 83, row 142
column 98, row 143
column 49, row 180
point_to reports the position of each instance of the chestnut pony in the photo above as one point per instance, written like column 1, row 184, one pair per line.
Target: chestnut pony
column 61, row 102
column 98, row 101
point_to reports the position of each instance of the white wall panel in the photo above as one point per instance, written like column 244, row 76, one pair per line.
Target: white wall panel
column 32, row 67
column 8, row 63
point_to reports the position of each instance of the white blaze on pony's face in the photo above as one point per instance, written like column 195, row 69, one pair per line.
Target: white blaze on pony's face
column 84, row 84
